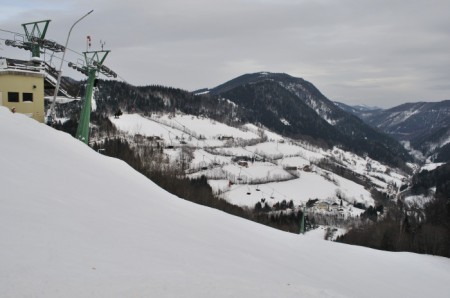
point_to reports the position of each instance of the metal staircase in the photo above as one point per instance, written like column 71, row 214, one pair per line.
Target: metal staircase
column 51, row 77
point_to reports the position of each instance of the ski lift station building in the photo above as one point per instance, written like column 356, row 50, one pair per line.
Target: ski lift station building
column 22, row 88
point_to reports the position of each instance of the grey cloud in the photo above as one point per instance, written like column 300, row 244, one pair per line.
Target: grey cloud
column 378, row 52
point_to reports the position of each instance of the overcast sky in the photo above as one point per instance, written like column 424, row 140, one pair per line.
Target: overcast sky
column 378, row 53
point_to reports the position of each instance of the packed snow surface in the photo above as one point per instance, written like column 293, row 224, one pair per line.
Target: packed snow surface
column 74, row 223
column 179, row 127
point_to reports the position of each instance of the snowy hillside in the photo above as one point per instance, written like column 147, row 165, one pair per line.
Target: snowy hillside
column 295, row 107
column 74, row 223
column 252, row 164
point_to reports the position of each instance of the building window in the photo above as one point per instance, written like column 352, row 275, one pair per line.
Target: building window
column 27, row 97
column 13, row 96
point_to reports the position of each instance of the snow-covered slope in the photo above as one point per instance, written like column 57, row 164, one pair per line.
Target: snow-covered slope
column 217, row 158
column 74, row 223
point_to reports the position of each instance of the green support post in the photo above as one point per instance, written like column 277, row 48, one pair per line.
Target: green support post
column 94, row 62
column 85, row 118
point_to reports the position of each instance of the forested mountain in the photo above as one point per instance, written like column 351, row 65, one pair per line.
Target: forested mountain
column 287, row 105
column 426, row 125
column 296, row 108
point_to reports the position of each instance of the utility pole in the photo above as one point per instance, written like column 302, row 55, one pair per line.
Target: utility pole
column 51, row 111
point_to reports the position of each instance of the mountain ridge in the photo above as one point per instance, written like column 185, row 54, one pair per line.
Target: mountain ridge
column 425, row 125
column 290, row 95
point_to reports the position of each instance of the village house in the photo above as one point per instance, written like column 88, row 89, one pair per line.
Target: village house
column 322, row 206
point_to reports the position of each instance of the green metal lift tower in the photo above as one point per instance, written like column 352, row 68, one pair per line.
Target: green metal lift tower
column 94, row 64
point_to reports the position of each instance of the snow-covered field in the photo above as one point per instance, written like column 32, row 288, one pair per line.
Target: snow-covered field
column 308, row 186
column 190, row 129
column 217, row 158
column 203, row 126
column 74, row 223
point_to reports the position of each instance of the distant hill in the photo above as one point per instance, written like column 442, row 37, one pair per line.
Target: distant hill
column 426, row 125
column 295, row 107
column 361, row 111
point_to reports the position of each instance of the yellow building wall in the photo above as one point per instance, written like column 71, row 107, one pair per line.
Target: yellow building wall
column 23, row 82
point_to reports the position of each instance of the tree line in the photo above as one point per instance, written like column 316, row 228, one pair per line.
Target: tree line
column 150, row 162
column 406, row 227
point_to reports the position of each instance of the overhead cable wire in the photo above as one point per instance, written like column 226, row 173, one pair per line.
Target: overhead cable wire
column 12, row 32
